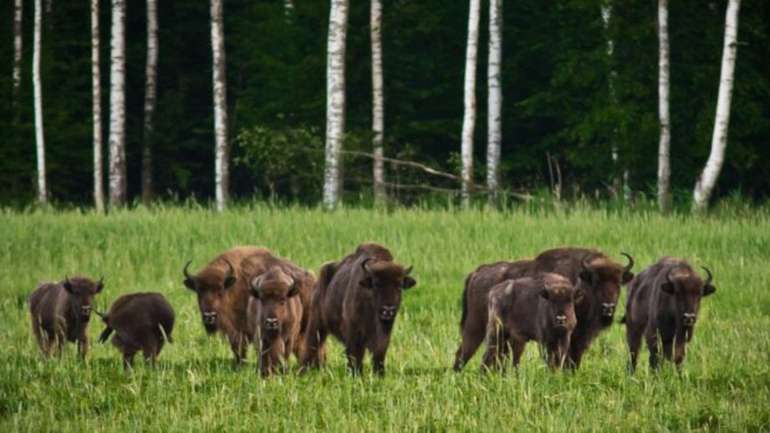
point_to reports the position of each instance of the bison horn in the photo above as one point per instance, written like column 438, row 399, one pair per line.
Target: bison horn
column 408, row 270
column 630, row 264
column 102, row 315
column 709, row 277
column 230, row 269
column 186, row 272
column 365, row 264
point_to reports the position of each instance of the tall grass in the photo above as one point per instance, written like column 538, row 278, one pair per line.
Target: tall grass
column 725, row 384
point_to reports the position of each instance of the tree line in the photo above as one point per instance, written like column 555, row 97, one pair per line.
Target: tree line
column 583, row 97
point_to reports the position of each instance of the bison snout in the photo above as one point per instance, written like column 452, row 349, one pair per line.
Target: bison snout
column 608, row 309
column 209, row 317
column 689, row 319
column 388, row 312
column 561, row 320
column 271, row 324
column 85, row 310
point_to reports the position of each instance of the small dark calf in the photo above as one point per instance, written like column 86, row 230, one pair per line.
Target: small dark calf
column 141, row 321
column 663, row 304
column 279, row 316
column 61, row 312
column 524, row 309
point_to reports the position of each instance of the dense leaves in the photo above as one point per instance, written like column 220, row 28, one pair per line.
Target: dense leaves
column 556, row 76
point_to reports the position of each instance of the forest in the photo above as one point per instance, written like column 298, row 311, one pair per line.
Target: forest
column 579, row 81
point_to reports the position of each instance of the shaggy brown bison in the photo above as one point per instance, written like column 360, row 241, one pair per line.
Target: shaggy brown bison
column 140, row 321
column 61, row 312
column 357, row 300
column 525, row 309
column 279, row 318
column 598, row 276
column 663, row 304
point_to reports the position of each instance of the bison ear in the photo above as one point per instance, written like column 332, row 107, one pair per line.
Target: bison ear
column 367, row 282
column 668, row 287
column 67, row 285
column 255, row 286
column 627, row 277
column 709, row 289
column 229, row 281
column 408, row 283
column 293, row 290
column 579, row 294
column 100, row 285
column 544, row 294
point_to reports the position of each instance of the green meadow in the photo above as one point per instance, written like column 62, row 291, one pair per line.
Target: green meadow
column 724, row 385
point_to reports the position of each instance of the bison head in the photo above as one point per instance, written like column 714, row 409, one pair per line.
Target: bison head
column 560, row 296
column 273, row 288
column 82, row 292
column 687, row 289
column 603, row 279
column 211, row 287
column 386, row 280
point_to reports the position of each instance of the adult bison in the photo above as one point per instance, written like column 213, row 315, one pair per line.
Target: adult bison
column 223, row 290
column 591, row 271
column 61, row 312
column 357, row 300
column 140, row 321
column 663, row 304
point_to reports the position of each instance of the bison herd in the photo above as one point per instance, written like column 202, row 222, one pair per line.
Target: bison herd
column 562, row 299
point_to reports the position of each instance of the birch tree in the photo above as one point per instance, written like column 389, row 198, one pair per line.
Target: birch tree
column 469, row 105
column 664, row 146
column 378, row 101
column 150, row 87
column 96, row 102
column 617, row 182
column 42, row 187
column 335, row 101
column 704, row 186
column 117, row 137
column 494, row 98
column 17, row 47
column 222, row 163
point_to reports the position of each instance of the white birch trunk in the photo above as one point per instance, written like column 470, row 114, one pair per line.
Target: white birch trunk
column 222, row 162
column 704, row 186
column 469, row 105
column 117, row 137
column 335, row 101
column 618, row 181
column 17, row 47
column 495, row 98
column 378, row 101
column 288, row 8
column 42, row 186
column 664, row 158
column 96, row 101
column 150, row 87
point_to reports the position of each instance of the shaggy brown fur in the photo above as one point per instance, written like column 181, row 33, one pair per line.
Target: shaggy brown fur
column 357, row 300
column 524, row 309
column 61, row 311
column 141, row 321
column 663, row 303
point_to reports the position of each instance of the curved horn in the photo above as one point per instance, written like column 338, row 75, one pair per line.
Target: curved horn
column 408, row 270
column 709, row 277
column 101, row 280
column 100, row 314
column 584, row 263
column 365, row 263
column 67, row 279
column 630, row 264
column 186, row 272
column 230, row 270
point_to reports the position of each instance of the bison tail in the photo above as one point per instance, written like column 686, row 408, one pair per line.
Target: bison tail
column 464, row 301
column 105, row 335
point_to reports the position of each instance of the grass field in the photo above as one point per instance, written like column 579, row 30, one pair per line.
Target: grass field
column 724, row 385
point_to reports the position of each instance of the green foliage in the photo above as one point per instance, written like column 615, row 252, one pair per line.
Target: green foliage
column 724, row 384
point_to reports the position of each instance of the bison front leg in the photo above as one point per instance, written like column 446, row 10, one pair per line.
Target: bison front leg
column 557, row 353
column 378, row 356
column 313, row 348
column 577, row 348
column 239, row 344
column 83, row 347
column 472, row 337
column 652, row 346
column 354, row 350
column 634, row 341
column 496, row 348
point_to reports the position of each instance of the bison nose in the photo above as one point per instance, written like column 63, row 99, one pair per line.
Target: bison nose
column 689, row 319
column 85, row 310
column 388, row 312
column 209, row 317
column 608, row 309
column 271, row 323
column 561, row 320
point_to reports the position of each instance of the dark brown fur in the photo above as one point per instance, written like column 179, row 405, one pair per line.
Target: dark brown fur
column 525, row 309
column 61, row 312
column 356, row 300
column 140, row 321
column 591, row 271
column 663, row 304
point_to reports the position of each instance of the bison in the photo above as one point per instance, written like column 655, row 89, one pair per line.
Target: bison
column 61, row 312
column 357, row 300
column 524, row 309
column 591, row 271
column 663, row 303
column 224, row 295
column 279, row 317
column 140, row 321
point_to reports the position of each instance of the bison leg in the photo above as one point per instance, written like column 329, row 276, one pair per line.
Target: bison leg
column 239, row 346
column 496, row 347
column 128, row 359
column 517, row 347
column 652, row 346
column 315, row 338
column 634, row 340
column 577, row 348
column 83, row 347
column 355, row 353
column 472, row 336
column 556, row 353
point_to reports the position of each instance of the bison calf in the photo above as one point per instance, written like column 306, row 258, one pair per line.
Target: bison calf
column 356, row 300
column 524, row 309
column 61, row 312
column 141, row 321
column 663, row 304
column 279, row 316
